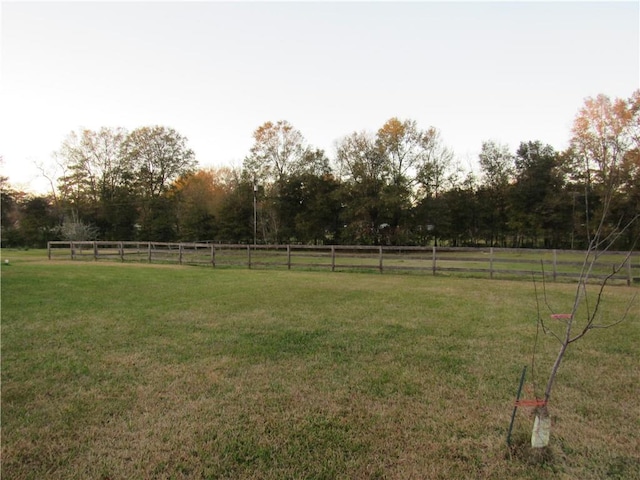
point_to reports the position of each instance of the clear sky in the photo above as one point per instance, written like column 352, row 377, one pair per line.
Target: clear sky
column 507, row 71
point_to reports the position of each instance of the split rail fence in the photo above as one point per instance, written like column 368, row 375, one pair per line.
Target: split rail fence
column 484, row 262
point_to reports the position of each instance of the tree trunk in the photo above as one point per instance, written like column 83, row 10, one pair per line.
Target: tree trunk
column 542, row 422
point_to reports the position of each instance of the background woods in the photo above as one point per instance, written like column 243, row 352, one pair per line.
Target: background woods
column 401, row 185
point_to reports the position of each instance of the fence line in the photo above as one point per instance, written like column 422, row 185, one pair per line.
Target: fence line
column 486, row 261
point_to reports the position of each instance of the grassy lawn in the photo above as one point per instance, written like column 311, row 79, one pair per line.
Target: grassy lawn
column 113, row 371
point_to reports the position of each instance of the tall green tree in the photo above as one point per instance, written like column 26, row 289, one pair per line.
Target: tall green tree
column 38, row 221
column 280, row 153
column 10, row 235
column 535, row 213
column 458, row 211
column 417, row 164
column 311, row 206
column 437, row 171
column 364, row 174
column 96, row 186
column 496, row 163
column 236, row 218
column 94, row 161
column 157, row 156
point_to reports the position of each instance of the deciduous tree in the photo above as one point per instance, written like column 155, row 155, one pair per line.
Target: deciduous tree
column 278, row 150
column 606, row 138
column 157, row 156
column 200, row 198
column 402, row 143
column 602, row 138
column 96, row 185
column 496, row 162
column 437, row 171
column 310, row 204
column 363, row 171
column 534, row 210
column 94, row 162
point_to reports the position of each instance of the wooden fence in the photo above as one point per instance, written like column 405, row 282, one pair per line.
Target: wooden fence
column 484, row 262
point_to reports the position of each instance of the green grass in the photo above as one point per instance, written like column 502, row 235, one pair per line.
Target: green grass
column 157, row 371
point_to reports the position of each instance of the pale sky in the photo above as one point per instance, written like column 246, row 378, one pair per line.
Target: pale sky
column 214, row 71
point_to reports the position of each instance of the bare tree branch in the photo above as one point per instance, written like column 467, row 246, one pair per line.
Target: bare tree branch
column 545, row 329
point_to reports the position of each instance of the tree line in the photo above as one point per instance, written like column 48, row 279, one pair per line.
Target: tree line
column 400, row 185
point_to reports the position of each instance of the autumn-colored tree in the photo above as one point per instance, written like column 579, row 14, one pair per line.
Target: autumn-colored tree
column 603, row 136
column 402, row 143
column 236, row 218
column 630, row 201
column 605, row 144
column 200, row 198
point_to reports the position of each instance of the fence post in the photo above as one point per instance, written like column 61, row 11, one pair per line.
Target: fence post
column 289, row 257
column 180, row 253
column 491, row 262
column 629, row 271
column 95, row 251
column 380, row 258
column 149, row 251
column 49, row 250
column 213, row 255
column 73, row 251
column 121, row 249
column 333, row 258
column 555, row 264
column 249, row 255
column 433, row 262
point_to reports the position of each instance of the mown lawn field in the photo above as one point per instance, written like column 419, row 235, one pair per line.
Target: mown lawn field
column 118, row 371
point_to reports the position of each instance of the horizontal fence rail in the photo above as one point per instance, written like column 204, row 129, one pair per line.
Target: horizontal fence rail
column 487, row 262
